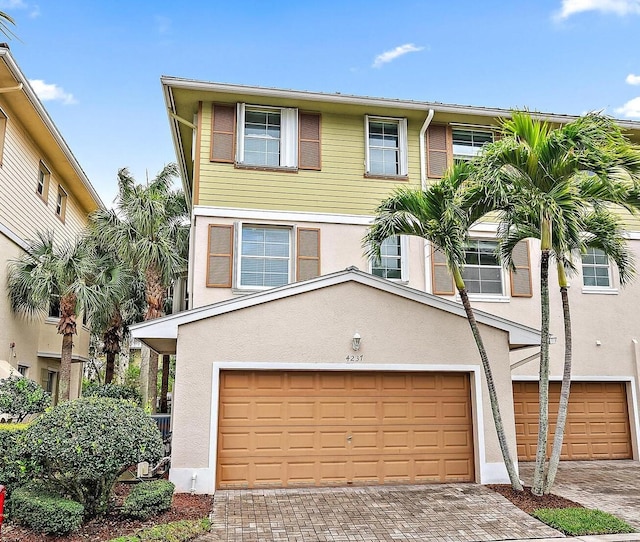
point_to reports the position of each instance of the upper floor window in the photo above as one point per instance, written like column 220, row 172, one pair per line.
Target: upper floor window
column 265, row 259
column 596, row 271
column 61, row 203
column 482, row 272
column 23, row 370
column 44, row 175
column 386, row 149
column 268, row 136
column 390, row 264
column 468, row 143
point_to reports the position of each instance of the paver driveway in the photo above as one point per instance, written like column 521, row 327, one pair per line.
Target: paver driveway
column 448, row 512
column 611, row 486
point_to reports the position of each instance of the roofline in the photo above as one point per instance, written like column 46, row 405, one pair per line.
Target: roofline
column 168, row 325
column 42, row 112
column 350, row 99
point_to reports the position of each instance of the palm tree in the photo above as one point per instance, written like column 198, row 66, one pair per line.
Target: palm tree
column 148, row 230
column 438, row 214
column 553, row 176
column 69, row 272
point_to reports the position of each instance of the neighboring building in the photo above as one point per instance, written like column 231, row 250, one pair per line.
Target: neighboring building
column 270, row 390
column 42, row 188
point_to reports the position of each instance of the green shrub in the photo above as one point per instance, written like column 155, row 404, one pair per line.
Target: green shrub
column 45, row 512
column 15, row 466
column 148, row 499
column 82, row 446
column 582, row 521
column 21, row 396
column 115, row 391
column 177, row 531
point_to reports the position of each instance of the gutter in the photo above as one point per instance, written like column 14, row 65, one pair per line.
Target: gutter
column 423, row 184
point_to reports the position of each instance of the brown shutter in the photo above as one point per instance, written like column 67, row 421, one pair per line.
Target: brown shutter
column 220, row 256
column 437, row 150
column 441, row 279
column 309, row 142
column 521, row 277
column 223, row 123
column 308, row 253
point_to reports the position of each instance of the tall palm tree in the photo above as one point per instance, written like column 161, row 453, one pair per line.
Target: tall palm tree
column 438, row 214
column 555, row 175
column 69, row 272
column 148, row 230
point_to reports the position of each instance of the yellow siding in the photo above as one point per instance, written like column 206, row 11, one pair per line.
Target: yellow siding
column 339, row 188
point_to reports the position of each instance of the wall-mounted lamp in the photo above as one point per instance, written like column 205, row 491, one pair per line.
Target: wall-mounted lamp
column 355, row 342
column 598, row 343
column 552, row 339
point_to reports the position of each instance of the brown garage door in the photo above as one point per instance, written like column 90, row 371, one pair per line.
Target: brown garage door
column 295, row 428
column 597, row 423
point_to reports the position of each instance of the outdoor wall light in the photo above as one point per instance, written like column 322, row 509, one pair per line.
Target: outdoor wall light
column 355, row 342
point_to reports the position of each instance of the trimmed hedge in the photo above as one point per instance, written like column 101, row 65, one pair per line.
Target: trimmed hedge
column 15, row 469
column 148, row 499
column 177, row 531
column 114, row 391
column 45, row 512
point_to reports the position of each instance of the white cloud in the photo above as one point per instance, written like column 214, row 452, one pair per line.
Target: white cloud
column 392, row 54
column 633, row 79
column 12, row 4
column 619, row 7
column 51, row 92
column 631, row 109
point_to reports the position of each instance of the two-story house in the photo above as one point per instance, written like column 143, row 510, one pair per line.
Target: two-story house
column 296, row 368
column 42, row 188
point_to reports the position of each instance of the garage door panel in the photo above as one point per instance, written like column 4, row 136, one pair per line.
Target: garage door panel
column 597, row 422
column 337, row 428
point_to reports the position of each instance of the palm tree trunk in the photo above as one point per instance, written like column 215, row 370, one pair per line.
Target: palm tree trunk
column 155, row 296
column 165, row 383
column 543, row 416
column 67, row 328
column 152, row 394
column 493, row 396
column 110, row 368
column 563, row 406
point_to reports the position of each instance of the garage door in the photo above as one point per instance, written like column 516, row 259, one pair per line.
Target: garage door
column 597, row 423
column 300, row 428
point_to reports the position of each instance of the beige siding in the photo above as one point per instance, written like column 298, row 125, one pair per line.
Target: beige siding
column 340, row 187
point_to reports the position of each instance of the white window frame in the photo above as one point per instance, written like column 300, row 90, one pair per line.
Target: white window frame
column 238, row 254
column 288, row 135
column 597, row 289
column 494, row 298
column 473, row 150
column 403, row 162
column 404, row 263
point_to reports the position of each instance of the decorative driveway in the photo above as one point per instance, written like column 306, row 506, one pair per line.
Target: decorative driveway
column 443, row 512
column 611, row 486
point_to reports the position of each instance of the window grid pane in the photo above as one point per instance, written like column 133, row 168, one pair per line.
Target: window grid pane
column 482, row 273
column 265, row 256
column 595, row 268
column 384, row 149
column 389, row 266
column 469, row 143
column 262, row 138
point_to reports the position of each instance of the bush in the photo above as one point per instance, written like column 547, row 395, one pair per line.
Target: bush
column 45, row 512
column 15, row 467
column 20, row 397
column 115, row 391
column 177, row 531
column 82, row 446
column 148, row 499
column 581, row 521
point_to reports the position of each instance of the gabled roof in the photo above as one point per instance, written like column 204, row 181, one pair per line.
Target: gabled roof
column 161, row 334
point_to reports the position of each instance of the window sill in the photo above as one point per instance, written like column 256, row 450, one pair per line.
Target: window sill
column 601, row 291
column 403, row 178
column 238, row 165
column 487, row 298
column 51, row 320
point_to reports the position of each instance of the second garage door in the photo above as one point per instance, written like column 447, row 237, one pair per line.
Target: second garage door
column 597, row 422
column 296, row 428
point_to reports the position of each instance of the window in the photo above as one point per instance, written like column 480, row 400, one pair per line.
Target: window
column 468, row 143
column 23, row 370
column 48, row 380
column 386, row 150
column 268, row 137
column 61, row 203
column 43, row 181
column 54, row 307
column 265, row 256
column 482, row 272
column 595, row 269
column 389, row 266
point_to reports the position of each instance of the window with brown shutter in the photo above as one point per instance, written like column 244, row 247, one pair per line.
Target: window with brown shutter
column 438, row 137
column 521, row 277
column 309, row 141
column 441, row 279
column 308, row 253
column 223, row 123
column 220, row 256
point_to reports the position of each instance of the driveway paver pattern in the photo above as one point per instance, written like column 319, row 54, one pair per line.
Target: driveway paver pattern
column 443, row 512
column 610, row 486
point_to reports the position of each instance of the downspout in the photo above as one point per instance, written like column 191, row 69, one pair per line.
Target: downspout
column 423, row 184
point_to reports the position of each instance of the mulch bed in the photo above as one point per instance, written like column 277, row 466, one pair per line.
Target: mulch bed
column 528, row 502
column 184, row 506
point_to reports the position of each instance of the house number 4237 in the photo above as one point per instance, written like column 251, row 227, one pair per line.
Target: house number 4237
column 354, row 358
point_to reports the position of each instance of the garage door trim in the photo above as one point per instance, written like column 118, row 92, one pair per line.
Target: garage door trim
column 482, row 469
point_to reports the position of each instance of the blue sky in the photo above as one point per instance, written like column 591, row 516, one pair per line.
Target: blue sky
column 97, row 64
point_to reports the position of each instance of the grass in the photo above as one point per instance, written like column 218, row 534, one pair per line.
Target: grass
column 177, row 531
column 582, row 521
